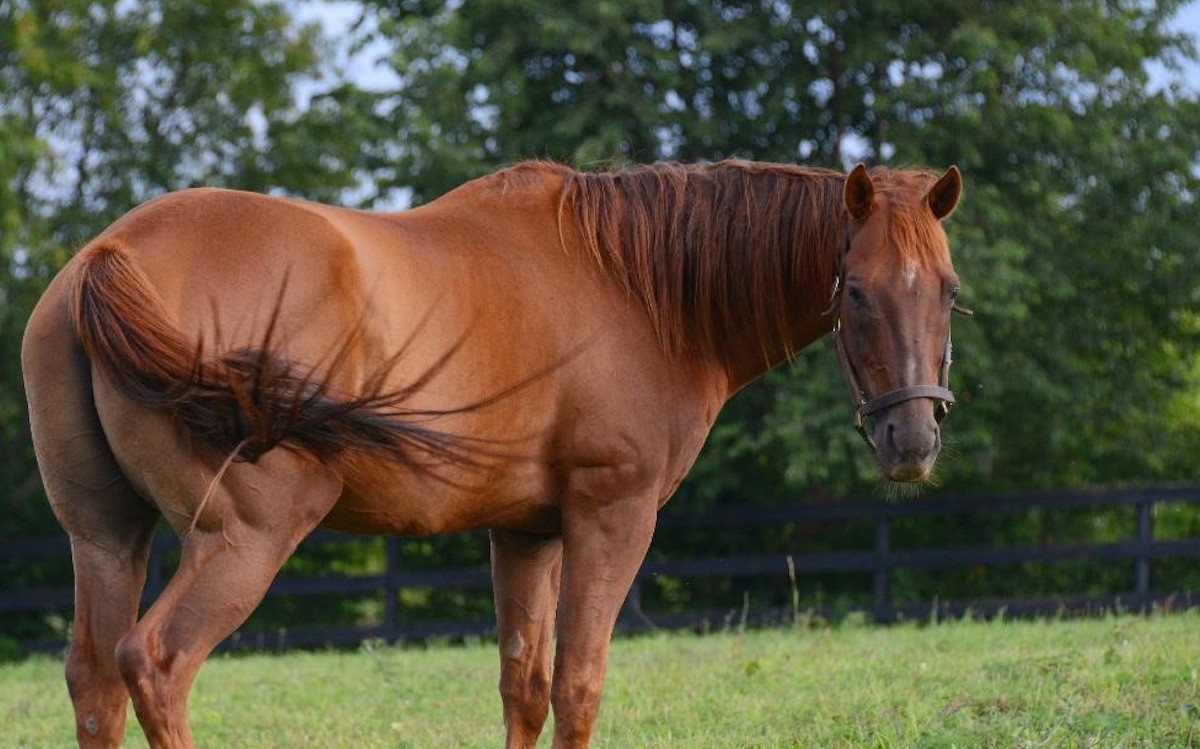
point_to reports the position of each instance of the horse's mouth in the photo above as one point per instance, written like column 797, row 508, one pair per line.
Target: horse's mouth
column 910, row 473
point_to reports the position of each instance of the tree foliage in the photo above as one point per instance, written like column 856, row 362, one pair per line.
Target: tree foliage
column 1075, row 239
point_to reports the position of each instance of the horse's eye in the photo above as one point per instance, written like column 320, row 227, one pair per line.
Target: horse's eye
column 857, row 298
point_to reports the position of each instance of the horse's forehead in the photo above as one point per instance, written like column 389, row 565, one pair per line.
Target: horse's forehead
column 902, row 238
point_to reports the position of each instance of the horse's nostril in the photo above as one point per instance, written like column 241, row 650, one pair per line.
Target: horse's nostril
column 912, row 442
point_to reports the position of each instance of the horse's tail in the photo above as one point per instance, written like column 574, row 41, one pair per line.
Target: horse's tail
column 249, row 400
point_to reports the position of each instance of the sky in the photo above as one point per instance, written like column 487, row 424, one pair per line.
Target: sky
column 336, row 17
column 1187, row 20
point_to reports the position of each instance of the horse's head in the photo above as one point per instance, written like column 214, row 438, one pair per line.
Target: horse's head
column 892, row 301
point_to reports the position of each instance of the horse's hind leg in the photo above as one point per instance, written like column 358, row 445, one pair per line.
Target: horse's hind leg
column 252, row 524
column 109, row 525
column 109, row 575
column 525, row 579
column 110, row 534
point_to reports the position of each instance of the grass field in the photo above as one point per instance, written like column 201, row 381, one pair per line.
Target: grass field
column 1121, row 681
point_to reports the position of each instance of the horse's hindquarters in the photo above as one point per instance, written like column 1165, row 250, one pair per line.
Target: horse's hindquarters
column 110, row 526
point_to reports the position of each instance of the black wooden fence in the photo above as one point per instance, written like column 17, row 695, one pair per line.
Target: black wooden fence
column 1141, row 549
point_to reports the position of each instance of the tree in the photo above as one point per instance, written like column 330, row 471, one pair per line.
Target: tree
column 1073, row 240
column 1076, row 240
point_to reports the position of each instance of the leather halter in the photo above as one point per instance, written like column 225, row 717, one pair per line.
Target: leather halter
column 865, row 405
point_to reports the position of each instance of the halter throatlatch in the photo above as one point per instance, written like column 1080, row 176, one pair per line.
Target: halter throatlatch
column 864, row 405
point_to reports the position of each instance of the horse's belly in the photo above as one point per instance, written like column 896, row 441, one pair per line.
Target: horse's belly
column 404, row 503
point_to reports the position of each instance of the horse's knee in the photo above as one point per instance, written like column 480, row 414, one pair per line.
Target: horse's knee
column 580, row 694
column 529, row 693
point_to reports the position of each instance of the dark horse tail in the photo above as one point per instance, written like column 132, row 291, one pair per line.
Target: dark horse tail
column 246, row 401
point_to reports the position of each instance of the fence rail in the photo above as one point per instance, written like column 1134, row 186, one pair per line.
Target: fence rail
column 881, row 561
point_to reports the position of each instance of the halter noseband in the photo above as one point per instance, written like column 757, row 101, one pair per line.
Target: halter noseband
column 866, row 406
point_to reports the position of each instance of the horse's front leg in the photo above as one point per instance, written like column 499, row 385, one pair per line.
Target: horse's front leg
column 604, row 544
column 525, row 577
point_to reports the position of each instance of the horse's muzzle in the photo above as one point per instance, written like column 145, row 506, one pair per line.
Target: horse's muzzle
column 907, row 440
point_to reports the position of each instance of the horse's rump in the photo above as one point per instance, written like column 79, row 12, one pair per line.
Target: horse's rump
column 247, row 400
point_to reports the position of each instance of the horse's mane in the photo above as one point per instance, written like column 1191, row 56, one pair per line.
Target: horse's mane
column 717, row 249
column 711, row 248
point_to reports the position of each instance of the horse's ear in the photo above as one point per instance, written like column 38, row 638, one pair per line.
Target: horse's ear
column 858, row 192
column 943, row 196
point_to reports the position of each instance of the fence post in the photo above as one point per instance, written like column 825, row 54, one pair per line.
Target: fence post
column 391, row 590
column 1141, row 565
column 882, row 573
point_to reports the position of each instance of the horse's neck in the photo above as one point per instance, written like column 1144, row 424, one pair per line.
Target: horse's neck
column 723, row 285
column 746, row 355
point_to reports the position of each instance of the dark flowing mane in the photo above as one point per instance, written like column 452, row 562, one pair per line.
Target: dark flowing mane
column 711, row 249
column 717, row 249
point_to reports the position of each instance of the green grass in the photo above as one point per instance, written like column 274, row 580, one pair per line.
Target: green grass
column 1121, row 681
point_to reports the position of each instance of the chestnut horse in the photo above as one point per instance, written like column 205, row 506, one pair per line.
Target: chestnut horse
column 541, row 352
